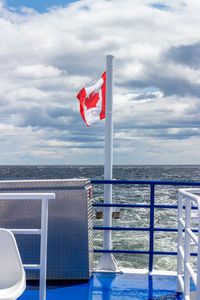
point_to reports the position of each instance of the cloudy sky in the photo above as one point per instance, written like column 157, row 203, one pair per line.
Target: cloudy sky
column 49, row 49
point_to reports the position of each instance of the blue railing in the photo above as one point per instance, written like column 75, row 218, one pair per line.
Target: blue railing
column 151, row 229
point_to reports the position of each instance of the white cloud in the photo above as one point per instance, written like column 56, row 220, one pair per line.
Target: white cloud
column 46, row 58
column 37, row 71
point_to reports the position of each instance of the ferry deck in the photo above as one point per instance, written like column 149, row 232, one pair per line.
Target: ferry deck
column 113, row 286
column 103, row 284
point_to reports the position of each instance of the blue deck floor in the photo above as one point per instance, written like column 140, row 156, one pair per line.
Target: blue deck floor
column 105, row 286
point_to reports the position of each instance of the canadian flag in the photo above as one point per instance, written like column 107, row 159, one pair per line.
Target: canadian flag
column 92, row 100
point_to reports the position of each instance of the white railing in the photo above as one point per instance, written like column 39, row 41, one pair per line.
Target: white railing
column 44, row 197
column 188, row 236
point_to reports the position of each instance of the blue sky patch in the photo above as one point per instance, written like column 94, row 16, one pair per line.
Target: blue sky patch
column 38, row 5
column 160, row 6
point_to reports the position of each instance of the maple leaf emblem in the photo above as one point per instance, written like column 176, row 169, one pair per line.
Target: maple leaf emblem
column 91, row 101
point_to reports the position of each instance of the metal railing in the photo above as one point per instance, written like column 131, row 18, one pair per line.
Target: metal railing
column 186, row 239
column 42, row 266
column 152, row 206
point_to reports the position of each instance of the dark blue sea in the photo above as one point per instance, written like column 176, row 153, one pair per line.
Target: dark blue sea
column 128, row 240
column 158, row 172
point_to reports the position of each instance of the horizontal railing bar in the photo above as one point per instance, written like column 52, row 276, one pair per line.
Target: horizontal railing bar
column 26, row 231
column 27, row 196
column 137, row 229
column 135, row 251
column 134, row 228
column 164, row 253
column 138, row 252
column 120, row 205
column 166, row 206
column 150, row 182
column 32, row 267
column 137, row 205
column 120, row 251
column 121, row 228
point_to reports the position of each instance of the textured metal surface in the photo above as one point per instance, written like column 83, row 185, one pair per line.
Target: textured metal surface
column 70, row 241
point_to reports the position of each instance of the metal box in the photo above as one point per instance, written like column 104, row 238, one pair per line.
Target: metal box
column 70, row 226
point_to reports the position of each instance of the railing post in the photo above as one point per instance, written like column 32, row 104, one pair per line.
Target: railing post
column 189, row 195
column 180, row 242
column 151, row 227
column 43, row 248
column 187, row 248
column 198, row 258
column 150, row 287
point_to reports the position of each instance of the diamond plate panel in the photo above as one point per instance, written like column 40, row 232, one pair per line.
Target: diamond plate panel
column 70, row 233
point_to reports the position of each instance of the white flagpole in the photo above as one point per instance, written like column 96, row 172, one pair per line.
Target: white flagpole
column 107, row 262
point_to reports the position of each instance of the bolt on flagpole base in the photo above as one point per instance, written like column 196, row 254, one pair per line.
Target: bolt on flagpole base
column 107, row 263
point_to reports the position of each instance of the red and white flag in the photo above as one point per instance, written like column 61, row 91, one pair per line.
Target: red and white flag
column 92, row 100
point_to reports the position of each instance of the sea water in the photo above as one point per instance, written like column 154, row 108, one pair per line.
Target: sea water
column 129, row 217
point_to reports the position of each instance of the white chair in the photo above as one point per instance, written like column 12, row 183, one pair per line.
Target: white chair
column 12, row 274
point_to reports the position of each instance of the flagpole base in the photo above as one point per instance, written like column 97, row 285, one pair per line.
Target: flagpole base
column 107, row 263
